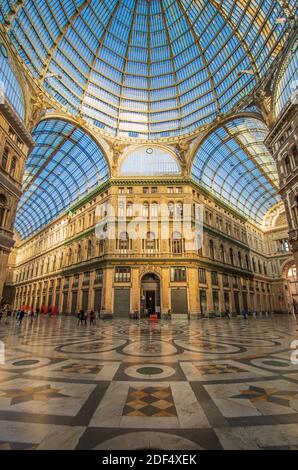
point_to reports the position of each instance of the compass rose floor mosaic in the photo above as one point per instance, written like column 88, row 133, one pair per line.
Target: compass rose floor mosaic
column 205, row 384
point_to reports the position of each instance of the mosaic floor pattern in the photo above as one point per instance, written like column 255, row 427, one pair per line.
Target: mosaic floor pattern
column 121, row 384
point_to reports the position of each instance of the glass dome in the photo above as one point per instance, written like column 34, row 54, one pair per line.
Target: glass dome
column 146, row 69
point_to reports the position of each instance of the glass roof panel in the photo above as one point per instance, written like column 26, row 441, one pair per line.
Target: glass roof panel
column 9, row 84
column 234, row 163
column 288, row 81
column 144, row 69
column 64, row 166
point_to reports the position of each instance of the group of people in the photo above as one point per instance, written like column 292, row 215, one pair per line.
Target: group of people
column 83, row 316
column 6, row 311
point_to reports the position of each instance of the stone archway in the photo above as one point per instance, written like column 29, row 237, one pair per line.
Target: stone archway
column 150, row 295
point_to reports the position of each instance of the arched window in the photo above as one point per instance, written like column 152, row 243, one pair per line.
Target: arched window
column 259, row 267
column 240, row 259
column 253, row 265
column 13, row 167
column 4, row 159
column 265, row 269
column 288, row 165
column 154, row 210
column 177, row 243
column 129, row 209
column 61, row 259
column 232, row 257
column 70, row 256
column 222, row 253
column 3, row 203
column 121, row 209
column 79, row 257
column 247, row 262
column 211, row 249
column 295, row 155
column 145, row 209
column 54, row 264
column 171, row 210
column 179, row 210
column 89, row 249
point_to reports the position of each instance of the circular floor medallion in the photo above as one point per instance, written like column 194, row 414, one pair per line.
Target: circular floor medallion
column 149, row 371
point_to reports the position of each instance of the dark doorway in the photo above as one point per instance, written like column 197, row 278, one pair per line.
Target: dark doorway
column 237, row 304
column 150, row 295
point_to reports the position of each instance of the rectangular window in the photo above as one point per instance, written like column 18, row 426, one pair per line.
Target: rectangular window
column 86, row 278
column 202, row 276
column 98, row 276
column 154, row 190
column 129, row 190
column 178, row 274
column 121, row 191
column 214, row 278
column 170, row 190
column 122, row 274
column 225, row 280
column 179, row 190
column 145, row 190
column 203, row 302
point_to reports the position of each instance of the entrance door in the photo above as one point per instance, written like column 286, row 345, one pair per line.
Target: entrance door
column 64, row 306
column 150, row 294
column 179, row 301
column 97, row 300
column 122, row 302
column 74, row 302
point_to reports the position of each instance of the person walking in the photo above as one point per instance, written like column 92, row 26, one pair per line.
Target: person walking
column 92, row 317
column 85, row 316
column 80, row 317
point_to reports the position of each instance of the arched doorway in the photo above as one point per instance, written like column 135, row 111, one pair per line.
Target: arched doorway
column 150, row 295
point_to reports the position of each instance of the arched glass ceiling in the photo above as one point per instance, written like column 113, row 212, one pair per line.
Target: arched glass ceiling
column 288, row 81
column 149, row 161
column 65, row 164
column 234, row 163
column 9, row 84
column 147, row 69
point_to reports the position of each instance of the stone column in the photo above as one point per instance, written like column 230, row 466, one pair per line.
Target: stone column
column 165, row 290
column 193, row 292
column 135, row 290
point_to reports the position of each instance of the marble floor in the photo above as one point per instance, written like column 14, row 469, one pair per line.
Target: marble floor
column 127, row 384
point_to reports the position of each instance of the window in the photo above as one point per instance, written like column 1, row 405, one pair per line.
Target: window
column 121, row 209
column 123, row 241
column 154, row 209
column 146, row 190
column 214, row 278
column 75, row 281
column 232, row 256
column 177, row 243
column 171, row 209
column 179, row 190
column 13, row 166
column 121, row 191
column 145, row 209
column 86, row 278
column 222, row 253
column 240, row 259
column 211, row 249
column 170, row 190
column 202, row 276
column 98, row 276
column 288, row 165
column 178, row 274
column 129, row 190
column 122, row 274
column 89, row 249
column 129, row 209
column 5, row 158
column 150, row 242
column 154, row 190
column 235, row 281
column 225, row 280
column 3, row 202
